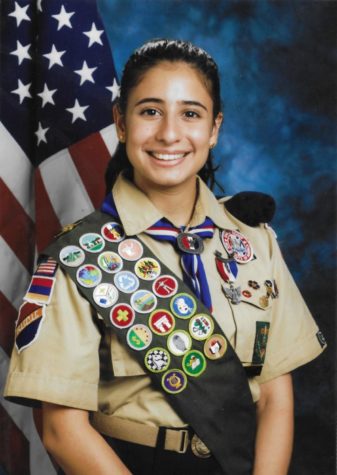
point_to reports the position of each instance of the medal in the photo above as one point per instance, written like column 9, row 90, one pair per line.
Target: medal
column 190, row 243
column 233, row 294
column 227, row 268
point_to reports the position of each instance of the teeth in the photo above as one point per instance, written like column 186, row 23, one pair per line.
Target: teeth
column 168, row 156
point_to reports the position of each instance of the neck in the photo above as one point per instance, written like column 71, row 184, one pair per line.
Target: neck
column 176, row 203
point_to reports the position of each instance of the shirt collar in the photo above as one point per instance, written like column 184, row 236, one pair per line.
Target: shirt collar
column 137, row 213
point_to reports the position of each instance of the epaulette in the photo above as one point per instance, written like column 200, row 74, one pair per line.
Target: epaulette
column 251, row 207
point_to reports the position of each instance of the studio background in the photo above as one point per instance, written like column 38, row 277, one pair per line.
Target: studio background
column 277, row 63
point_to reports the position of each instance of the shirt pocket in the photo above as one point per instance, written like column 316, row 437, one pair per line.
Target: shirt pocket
column 123, row 363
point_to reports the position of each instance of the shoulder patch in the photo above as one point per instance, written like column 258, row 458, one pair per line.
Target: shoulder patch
column 28, row 324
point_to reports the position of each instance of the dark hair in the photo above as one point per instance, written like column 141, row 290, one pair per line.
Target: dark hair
column 143, row 59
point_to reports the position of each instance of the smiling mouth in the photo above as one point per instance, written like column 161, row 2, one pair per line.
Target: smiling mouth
column 167, row 157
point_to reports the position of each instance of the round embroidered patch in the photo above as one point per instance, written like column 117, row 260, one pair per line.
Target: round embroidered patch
column 147, row 268
column 165, row 286
column 105, row 295
column 143, row 301
column 72, row 256
column 194, row 363
column 139, row 337
column 179, row 342
column 113, row 232
column 183, row 305
column 92, row 242
column 237, row 244
column 126, row 281
column 215, row 347
column 130, row 249
column 122, row 315
column 89, row 275
column 157, row 360
column 201, row 326
column 161, row 322
column 110, row 262
column 174, row 381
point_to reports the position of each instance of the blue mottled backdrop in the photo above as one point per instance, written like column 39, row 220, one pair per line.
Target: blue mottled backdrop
column 278, row 67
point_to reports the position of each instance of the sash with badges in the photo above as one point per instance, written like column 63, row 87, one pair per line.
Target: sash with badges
column 168, row 330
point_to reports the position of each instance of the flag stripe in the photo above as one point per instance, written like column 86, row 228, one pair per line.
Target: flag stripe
column 109, row 135
column 8, row 315
column 73, row 205
column 17, row 228
column 92, row 168
column 16, row 171
column 47, row 223
column 13, row 284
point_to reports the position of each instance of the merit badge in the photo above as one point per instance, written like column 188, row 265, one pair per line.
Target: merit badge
column 139, row 337
column 237, row 245
column 47, row 267
column 143, row 301
column 201, row 327
column 126, row 281
column 157, row 360
column 122, row 315
column 28, row 324
column 110, row 262
column 89, row 275
column 179, row 342
column 194, row 363
column 40, row 290
column 190, row 243
column 92, row 242
column 215, row 347
column 183, row 305
column 161, row 322
column 174, row 381
column 130, row 249
column 105, row 295
column 165, row 286
column 147, row 268
column 113, row 232
column 72, row 256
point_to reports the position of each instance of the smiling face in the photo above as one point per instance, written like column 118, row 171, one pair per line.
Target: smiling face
column 168, row 126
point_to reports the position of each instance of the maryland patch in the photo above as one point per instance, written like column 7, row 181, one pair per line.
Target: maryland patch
column 28, row 324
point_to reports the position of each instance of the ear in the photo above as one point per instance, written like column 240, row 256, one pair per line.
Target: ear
column 119, row 121
column 215, row 130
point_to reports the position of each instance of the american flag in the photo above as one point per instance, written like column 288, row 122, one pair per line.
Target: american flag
column 58, row 84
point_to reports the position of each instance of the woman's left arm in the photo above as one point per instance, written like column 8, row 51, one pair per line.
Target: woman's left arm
column 275, row 427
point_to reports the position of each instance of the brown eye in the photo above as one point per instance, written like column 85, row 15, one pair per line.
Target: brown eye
column 191, row 114
column 149, row 111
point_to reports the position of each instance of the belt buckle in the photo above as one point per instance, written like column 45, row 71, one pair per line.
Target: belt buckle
column 184, row 441
column 199, row 448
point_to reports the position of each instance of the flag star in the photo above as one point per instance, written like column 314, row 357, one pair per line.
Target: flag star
column 41, row 134
column 77, row 111
column 86, row 73
column 94, row 35
column 47, row 95
column 54, row 57
column 20, row 14
column 22, row 90
column 21, row 52
column 63, row 18
column 114, row 89
column 39, row 6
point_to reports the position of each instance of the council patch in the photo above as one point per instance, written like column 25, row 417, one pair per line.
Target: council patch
column 28, row 324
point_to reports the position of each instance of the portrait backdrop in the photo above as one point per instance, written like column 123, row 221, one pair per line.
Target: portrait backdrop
column 277, row 63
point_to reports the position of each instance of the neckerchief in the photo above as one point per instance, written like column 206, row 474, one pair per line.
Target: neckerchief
column 194, row 274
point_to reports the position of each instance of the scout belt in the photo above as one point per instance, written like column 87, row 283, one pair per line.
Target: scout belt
column 168, row 330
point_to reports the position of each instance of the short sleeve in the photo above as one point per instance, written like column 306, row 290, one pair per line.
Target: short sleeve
column 294, row 337
column 61, row 364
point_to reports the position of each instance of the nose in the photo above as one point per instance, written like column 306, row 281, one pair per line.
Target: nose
column 168, row 130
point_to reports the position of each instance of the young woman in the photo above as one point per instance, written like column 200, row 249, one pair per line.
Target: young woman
column 102, row 411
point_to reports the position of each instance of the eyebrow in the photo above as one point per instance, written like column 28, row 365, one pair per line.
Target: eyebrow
column 160, row 101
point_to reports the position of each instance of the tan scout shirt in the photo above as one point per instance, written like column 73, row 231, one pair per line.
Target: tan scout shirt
column 70, row 364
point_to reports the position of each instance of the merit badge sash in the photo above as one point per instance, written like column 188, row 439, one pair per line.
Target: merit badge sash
column 168, row 330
